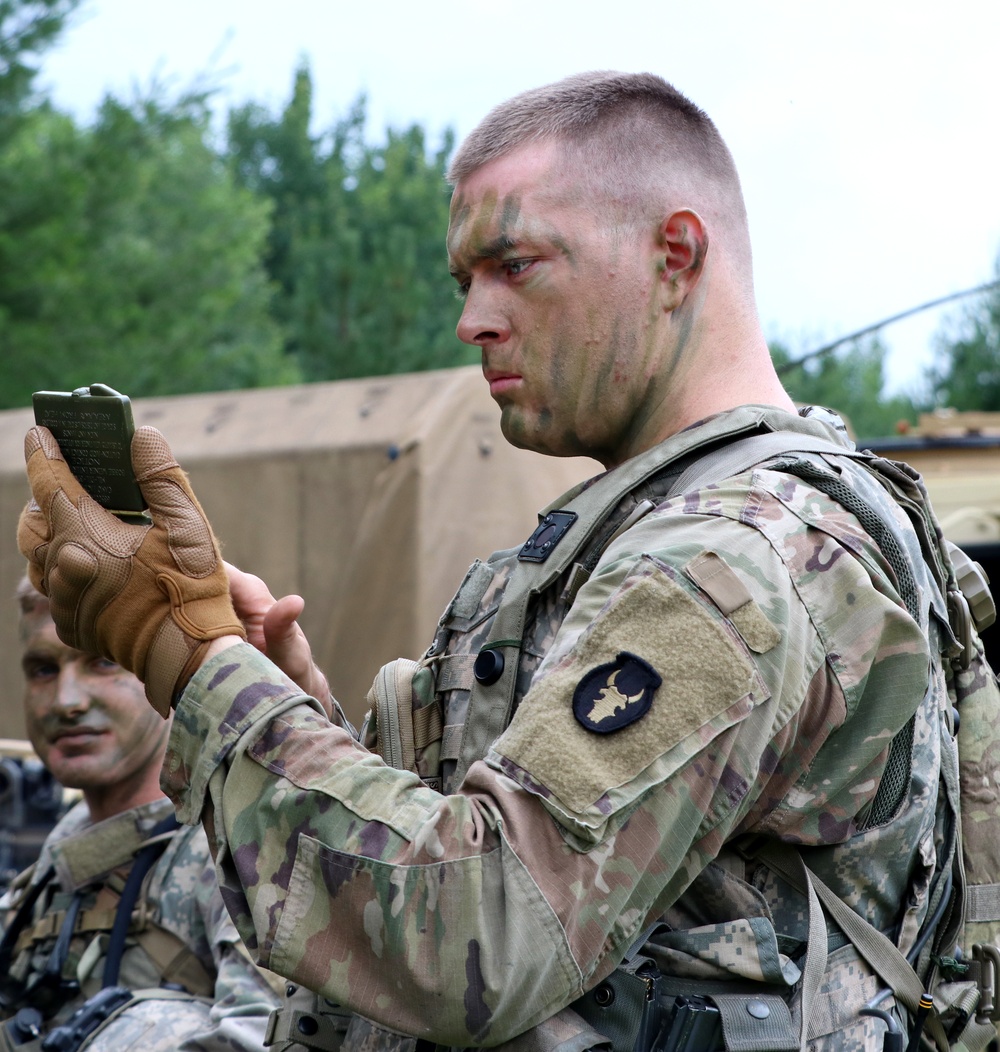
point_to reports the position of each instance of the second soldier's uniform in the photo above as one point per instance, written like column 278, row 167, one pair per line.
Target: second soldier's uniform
column 182, row 957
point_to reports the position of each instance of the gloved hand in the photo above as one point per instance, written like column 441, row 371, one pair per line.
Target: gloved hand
column 150, row 597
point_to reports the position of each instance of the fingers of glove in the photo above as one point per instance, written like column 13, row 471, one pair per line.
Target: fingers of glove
column 83, row 568
column 61, row 508
column 88, row 563
column 48, row 472
column 173, row 505
column 72, row 572
column 32, row 540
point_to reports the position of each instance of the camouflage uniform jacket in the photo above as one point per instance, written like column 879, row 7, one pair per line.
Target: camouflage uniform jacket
column 191, row 939
column 740, row 665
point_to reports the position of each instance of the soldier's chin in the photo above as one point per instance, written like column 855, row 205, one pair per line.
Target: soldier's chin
column 535, row 434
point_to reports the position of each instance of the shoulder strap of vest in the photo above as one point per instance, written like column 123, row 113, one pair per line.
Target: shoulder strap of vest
column 145, row 858
column 490, row 705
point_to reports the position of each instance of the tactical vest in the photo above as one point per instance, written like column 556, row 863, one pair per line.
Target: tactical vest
column 437, row 716
column 45, row 949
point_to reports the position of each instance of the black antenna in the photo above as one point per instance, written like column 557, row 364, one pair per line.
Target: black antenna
column 787, row 367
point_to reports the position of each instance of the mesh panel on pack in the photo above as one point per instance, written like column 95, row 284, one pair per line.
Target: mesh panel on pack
column 896, row 777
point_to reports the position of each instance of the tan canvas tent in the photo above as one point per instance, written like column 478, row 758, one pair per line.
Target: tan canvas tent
column 371, row 497
column 368, row 497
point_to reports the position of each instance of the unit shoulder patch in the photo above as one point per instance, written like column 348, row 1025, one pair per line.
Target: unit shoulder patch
column 615, row 694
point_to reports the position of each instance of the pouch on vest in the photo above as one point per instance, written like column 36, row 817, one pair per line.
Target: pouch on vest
column 403, row 724
column 626, row 1006
column 306, row 1021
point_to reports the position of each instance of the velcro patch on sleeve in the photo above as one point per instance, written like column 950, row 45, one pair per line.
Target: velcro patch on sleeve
column 651, row 618
column 716, row 578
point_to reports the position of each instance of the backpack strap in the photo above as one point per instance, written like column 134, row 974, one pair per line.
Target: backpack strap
column 884, row 957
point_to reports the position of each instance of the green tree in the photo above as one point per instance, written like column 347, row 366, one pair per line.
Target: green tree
column 356, row 246
column 128, row 256
column 966, row 373
column 27, row 28
column 852, row 382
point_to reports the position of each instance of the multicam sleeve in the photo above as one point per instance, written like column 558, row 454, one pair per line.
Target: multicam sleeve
column 466, row 918
column 469, row 918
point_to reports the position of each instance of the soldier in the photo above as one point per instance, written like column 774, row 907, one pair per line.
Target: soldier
column 707, row 693
column 121, row 917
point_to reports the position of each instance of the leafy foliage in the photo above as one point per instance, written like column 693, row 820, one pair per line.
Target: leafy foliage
column 27, row 27
column 852, row 382
column 356, row 244
column 128, row 255
column 966, row 375
column 141, row 253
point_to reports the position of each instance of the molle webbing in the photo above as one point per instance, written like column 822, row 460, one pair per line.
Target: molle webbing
column 120, row 910
column 175, row 962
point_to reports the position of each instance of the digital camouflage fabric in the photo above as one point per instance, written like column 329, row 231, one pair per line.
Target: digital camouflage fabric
column 793, row 703
column 181, row 934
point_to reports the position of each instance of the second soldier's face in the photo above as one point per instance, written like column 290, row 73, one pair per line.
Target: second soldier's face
column 562, row 305
column 87, row 718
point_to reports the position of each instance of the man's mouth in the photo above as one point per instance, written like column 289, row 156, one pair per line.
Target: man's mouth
column 501, row 381
column 79, row 733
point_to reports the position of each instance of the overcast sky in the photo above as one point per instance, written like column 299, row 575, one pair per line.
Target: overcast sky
column 866, row 132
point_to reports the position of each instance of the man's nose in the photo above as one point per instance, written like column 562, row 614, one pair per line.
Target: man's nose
column 482, row 322
column 72, row 690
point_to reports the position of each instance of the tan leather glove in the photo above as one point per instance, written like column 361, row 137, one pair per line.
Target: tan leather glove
column 148, row 597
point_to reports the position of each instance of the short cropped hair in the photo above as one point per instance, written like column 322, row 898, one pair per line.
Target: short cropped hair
column 29, row 601
column 635, row 136
column 28, row 597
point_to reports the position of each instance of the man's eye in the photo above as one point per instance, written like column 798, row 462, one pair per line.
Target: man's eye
column 40, row 670
column 101, row 664
column 463, row 290
column 517, row 266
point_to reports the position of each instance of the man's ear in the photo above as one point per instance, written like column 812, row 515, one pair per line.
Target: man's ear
column 683, row 245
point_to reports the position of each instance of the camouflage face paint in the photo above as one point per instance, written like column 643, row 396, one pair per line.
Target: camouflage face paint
column 562, row 306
